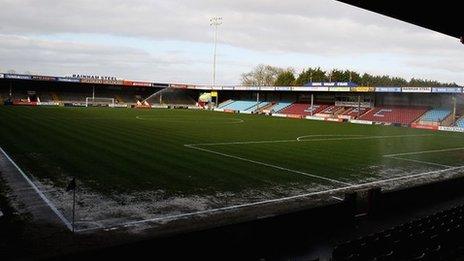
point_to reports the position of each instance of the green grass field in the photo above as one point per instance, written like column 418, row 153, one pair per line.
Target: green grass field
column 137, row 164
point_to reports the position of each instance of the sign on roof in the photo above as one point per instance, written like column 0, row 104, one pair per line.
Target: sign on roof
column 300, row 88
column 91, row 80
column 339, row 89
column 43, row 78
column 68, row 79
column 416, row 89
column 387, row 89
column 447, row 89
column 113, row 82
column 283, row 88
column 363, row 89
column 318, row 89
column 180, row 86
column 160, row 85
column 143, row 84
column 332, row 84
column 204, row 87
column 17, row 76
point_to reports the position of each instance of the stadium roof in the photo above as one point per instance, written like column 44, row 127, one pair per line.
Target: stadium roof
column 441, row 16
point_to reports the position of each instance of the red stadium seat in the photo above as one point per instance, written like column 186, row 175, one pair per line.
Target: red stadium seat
column 304, row 109
column 394, row 114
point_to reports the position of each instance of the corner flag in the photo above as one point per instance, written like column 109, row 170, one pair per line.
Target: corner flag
column 71, row 185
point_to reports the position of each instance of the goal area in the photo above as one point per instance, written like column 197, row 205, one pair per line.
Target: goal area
column 99, row 102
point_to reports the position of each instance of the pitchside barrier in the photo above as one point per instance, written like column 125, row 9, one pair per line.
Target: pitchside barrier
column 361, row 122
column 48, row 103
column 424, row 126
column 159, row 106
column 453, row 129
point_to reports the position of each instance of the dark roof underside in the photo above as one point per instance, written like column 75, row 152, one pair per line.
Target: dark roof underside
column 443, row 16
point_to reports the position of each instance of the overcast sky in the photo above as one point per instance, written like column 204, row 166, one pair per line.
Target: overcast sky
column 171, row 40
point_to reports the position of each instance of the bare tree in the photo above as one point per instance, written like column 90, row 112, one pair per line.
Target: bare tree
column 261, row 75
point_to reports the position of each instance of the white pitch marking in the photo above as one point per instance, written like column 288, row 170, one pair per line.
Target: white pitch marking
column 229, row 121
column 337, row 198
column 421, row 161
column 309, row 140
column 39, row 192
column 423, row 152
column 267, row 165
column 330, row 135
column 240, row 142
column 335, row 190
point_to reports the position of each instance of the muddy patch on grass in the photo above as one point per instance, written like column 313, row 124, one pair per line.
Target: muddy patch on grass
column 402, row 176
column 95, row 210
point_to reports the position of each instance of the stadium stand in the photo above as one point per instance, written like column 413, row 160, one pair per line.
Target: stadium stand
column 55, row 97
column 434, row 237
column 119, row 98
column 266, row 108
column 396, row 114
column 225, row 103
column 436, row 117
column 45, row 96
column 331, row 111
column 353, row 112
column 257, row 108
column 73, row 97
column 171, row 96
column 460, row 122
column 281, row 105
column 240, row 105
column 304, row 109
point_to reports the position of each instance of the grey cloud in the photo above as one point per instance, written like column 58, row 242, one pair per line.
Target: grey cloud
column 293, row 25
column 60, row 57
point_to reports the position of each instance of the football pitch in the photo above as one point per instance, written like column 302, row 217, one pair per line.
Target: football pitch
column 134, row 165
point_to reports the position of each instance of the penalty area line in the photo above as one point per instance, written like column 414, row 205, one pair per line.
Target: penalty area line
column 39, row 192
column 267, row 164
column 179, row 120
column 302, row 139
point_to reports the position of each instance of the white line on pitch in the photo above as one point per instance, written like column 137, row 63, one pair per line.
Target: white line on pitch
column 218, row 120
column 228, row 208
column 268, row 165
column 308, row 140
column 423, row 152
column 39, row 192
column 421, row 161
column 337, row 198
column 301, row 138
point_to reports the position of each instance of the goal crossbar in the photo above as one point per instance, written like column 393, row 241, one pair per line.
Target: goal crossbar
column 99, row 101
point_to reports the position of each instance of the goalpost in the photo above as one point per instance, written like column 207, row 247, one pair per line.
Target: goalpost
column 99, row 102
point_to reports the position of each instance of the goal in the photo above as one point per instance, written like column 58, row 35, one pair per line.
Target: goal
column 99, row 102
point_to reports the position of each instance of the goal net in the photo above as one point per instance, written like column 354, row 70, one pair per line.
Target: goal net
column 99, row 102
